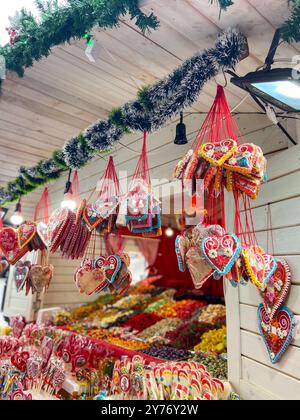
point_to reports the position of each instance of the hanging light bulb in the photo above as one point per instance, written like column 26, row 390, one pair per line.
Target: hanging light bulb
column 169, row 232
column 17, row 218
column 68, row 201
column 181, row 137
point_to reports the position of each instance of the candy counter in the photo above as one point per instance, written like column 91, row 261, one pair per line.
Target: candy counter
column 116, row 347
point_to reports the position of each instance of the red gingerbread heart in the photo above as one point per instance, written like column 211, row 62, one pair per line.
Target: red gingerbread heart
column 21, row 274
column 255, row 265
column 218, row 153
column 278, row 332
column 26, row 233
column 91, row 217
column 221, row 252
column 9, row 245
column 278, row 288
column 242, row 160
column 246, row 185
column 57, row 227
column 111, row 266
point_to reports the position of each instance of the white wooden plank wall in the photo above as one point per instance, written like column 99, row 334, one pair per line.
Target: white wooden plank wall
column 249, row 365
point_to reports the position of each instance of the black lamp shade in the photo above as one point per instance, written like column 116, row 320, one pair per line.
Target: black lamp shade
column 181, row 137
column 278, row 87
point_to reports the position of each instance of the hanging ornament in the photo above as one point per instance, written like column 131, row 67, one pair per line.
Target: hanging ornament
column 278, row 332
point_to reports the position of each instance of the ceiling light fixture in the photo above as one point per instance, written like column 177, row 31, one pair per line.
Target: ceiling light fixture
column 68, row 201
column 17, row 218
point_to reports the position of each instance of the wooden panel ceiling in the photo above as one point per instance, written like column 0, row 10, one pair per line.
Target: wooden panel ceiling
column 65, row 93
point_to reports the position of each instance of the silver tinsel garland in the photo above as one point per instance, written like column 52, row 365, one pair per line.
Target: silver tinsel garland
column 164, row 100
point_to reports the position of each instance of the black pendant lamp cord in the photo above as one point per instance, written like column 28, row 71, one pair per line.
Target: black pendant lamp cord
column 68, row 184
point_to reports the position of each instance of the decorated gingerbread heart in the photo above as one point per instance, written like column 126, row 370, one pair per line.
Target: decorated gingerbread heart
column 57, row 225
column 218, row 153
column 278, row 288
column 246, row 185
column 255, row 266
column 21, row 274
column 199, row 268
column 260, row 165
column 182, row 164
column 9, row 245
column 111, row 266
column 41, row 277
column 221, row 252
column 278, row 332
column 92, row 217
column 26, row 233
column 242, row 160
column 90, row 281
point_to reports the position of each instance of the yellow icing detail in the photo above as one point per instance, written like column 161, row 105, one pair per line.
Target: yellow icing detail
column 218, row 162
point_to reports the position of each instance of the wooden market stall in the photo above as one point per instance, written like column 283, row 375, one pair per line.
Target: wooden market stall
column 65, row 93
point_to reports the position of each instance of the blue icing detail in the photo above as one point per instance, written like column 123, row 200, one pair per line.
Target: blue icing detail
column 144, row 217
column 153, row 227
column 231, row 262
column 181, row 263
column 267, row 278
column 244, row 162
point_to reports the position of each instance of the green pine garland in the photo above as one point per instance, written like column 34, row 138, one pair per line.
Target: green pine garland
column 224, row 4
column 290, row 30
column 60, row 23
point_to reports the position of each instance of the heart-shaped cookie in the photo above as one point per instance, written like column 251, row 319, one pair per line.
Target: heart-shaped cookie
column 90, row 281
column 255, row 266
column 260, row 165
column 3, row 266
column 251, row 187
column 91, row 217
column 9, row 245
column 26, row 233
column 182, row 164
column 111, row 266
column 242, row 160
column 278, row 288
column 218, row 153
column 47, row 273
column 21, row 274
column 278, row 332
column 221, row 252
column 40, row 277
column 57, row 226
column 198, row 267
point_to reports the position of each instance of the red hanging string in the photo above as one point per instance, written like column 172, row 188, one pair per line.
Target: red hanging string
column 74, row 191
column 1, row 221
column 218, row 124
column 142, row 169
column 41, row 213
column 109, row 185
